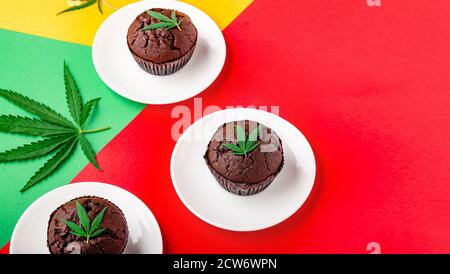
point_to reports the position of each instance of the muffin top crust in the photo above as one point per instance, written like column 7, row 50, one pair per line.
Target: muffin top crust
column 60, row 240
column 252, row 168
column 161, row 45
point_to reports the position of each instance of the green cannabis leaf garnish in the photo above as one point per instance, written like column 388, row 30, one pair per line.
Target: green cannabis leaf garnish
column 87, row 230
column 244, row 145
column 165, row 22
column 59, row 135
column 86, row 4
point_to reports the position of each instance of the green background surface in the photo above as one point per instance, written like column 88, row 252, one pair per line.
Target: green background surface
column 33, row 66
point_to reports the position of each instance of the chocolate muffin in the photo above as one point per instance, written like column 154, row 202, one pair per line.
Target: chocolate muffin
column 165, row 49
column 63, row 239
column 244, row 163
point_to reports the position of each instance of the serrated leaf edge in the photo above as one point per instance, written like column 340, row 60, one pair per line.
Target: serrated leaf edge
column 97, row 222
column 88, row 107
column 53, row 143
column 83, row 217
column 60, row 157
column 73, row 96
column 46, row 113
column 88, row 151
column 38, row 125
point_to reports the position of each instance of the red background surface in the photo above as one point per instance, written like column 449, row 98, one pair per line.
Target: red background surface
column 370, row 89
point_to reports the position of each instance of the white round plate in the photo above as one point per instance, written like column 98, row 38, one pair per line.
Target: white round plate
column 117, row 68
column 205, row 198
column 30, row 233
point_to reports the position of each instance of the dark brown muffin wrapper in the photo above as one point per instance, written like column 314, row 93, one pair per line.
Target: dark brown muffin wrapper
column 164, row 68
column 87, row 196
column 243, row 189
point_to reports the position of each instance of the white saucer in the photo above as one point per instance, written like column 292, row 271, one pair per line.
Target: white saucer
column 30, row 233
column 204, row 197
column 117, row 68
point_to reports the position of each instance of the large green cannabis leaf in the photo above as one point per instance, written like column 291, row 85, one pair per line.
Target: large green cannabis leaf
column 59, row 135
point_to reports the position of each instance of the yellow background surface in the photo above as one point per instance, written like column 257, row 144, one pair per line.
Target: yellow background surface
column 38, row 17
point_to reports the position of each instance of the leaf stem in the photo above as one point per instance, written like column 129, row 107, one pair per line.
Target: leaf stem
column 82, row 131
column 109, row 5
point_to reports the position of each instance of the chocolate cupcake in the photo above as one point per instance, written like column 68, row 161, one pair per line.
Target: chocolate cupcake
column 244, row 157
column 161, row 40
column 66, row 233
